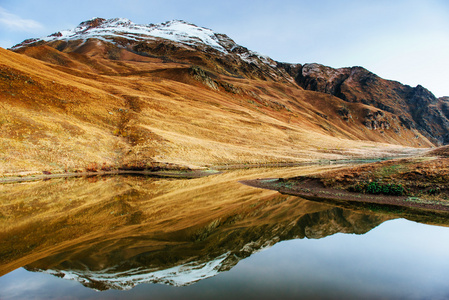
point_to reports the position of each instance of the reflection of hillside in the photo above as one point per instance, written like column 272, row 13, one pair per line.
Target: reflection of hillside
column 139, row 227
column 184, row 258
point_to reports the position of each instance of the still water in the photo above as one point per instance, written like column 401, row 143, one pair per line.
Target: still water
column 149, row 238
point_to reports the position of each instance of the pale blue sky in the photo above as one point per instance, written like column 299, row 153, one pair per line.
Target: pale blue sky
column 403, row 40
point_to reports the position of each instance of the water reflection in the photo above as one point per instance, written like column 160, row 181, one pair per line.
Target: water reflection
column 118, row 232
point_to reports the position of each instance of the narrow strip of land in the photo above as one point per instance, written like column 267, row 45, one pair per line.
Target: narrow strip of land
column 312, row 189
column 419, row 182
column 162, row 173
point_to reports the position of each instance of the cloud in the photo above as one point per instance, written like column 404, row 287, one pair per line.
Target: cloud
column 17, row 23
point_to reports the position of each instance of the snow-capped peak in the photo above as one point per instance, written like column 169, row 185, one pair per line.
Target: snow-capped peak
column 125, row 33
column 176, row 30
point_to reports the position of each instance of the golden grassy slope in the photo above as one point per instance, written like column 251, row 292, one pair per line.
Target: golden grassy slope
column 78, row 109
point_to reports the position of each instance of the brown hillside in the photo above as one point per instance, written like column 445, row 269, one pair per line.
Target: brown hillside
column 105, row 108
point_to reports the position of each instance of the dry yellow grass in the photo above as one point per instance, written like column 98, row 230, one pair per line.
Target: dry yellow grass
column 141, row 111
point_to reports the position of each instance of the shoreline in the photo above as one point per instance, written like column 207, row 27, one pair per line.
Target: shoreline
column 178, row 171
column 418, row 183
column 195, row 173
column 304, row 163
column 191, row 173
column 183, row 173
column 310, row 189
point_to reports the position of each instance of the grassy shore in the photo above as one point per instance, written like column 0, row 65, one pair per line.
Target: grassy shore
column 420, row 182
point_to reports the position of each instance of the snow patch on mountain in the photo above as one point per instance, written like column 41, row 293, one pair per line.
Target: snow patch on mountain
column 252, row 57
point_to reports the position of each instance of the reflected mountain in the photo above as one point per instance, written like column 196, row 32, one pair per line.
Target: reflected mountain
column 118, row 232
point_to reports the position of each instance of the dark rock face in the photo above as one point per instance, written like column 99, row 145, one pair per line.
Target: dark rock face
column 93, row 23
column 345, row 113
column 376, row 120
column 417, row 108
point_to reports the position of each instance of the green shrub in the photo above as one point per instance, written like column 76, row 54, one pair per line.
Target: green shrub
column 377, row 188
column 374, row 188
column 434, row 191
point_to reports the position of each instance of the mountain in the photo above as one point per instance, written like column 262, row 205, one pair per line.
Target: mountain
column 112, row 94
column 415, row 107
column 176, row 39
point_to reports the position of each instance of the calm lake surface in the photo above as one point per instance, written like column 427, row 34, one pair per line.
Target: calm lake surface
column 129, row 237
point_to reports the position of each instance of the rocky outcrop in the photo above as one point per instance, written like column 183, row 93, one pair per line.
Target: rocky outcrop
column 345, row 113
column 200, row 75
column 376, row 120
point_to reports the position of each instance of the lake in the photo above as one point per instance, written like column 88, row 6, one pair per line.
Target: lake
column 134, row 237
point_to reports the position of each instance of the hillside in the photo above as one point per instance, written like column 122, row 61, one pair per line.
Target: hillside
column 113, row 94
